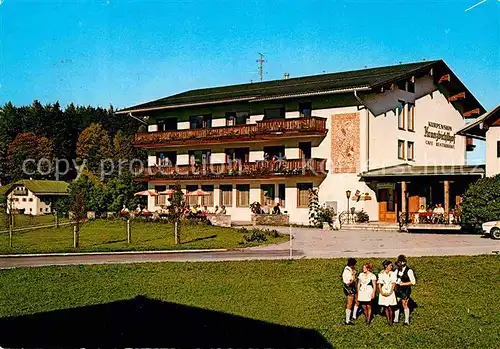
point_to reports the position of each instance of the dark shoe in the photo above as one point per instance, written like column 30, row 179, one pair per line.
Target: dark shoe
column 350, row 323
column 406, row 324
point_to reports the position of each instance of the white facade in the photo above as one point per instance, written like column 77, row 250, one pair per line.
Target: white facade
column 376, row 146
column 492, row 151
column 24, row 199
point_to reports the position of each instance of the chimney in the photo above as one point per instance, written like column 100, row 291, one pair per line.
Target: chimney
column 287, row 76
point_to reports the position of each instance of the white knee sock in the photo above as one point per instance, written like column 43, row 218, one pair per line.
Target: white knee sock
column 407, row 315
column 347, row 315
column 355, row 312
column 396, row 315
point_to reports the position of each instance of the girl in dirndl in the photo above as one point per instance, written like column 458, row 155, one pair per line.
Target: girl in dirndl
column 366, row 290
column 386, row 285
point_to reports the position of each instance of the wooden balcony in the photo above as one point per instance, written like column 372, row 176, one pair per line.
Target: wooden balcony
column 262, row 130
column 237, row 170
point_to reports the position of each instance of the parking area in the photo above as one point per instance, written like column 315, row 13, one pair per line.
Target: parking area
column 316, row 243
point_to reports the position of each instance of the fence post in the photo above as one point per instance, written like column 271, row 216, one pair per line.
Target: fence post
column 176, row 228
column 75, row 240
column 10, row 235
column 128, row 231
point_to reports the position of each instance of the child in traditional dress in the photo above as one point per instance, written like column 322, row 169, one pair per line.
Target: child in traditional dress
column 366, row 290
column 386, row 285
column 349, row 280
column 405, row 280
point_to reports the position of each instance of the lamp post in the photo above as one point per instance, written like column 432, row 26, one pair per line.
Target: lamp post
column 348, row 196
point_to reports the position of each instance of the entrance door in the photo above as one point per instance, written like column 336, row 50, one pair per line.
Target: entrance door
column 386, row 206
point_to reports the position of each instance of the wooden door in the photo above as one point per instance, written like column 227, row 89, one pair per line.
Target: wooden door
column 386, row 206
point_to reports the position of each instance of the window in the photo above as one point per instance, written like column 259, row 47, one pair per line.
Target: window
column 305, row 150
column 411, row 85
column 242, row 195
column 411, row 151
column 41, row 210
column 498, row 149
column 191, row 200
column 200, row 121
column 167, row 158
column 401, row 149
column 235, row 155
column 275, row 151
column 209, row 199
column 24, row 199
column 411, row 117
column 402, row 85
column 281, row 194
column 30, row 199
column 303, row 194
column 401, row 115
column 274, row 113
column 267, row 194
column 237, row 118
column 199, row 157
column 305, row 109
column 160, row 199
column 168, row 124
column 226, row 195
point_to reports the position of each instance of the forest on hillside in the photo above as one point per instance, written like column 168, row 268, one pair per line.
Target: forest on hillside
column 49, row 131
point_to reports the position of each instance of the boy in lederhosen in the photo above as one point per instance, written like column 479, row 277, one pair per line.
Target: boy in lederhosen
column 405, row 280
column 349, row 280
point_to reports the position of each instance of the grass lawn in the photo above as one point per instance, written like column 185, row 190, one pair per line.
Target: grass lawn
column 21, row 220
column 458, row 297
column 110, row 235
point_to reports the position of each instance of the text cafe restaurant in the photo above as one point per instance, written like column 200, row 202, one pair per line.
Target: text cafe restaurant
column 436, row 175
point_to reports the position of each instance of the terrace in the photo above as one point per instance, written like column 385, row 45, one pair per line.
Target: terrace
column 257, row 170
column 262, row 130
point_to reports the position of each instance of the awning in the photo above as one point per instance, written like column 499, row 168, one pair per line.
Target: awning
column 407, row 170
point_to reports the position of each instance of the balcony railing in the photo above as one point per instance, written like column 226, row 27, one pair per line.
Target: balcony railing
column 260, row 130
column 259, row 169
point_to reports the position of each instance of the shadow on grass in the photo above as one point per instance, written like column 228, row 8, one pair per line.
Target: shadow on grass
column 200, row 239
column 144, row 322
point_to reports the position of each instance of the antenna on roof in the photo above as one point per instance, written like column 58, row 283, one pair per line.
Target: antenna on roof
column 261, row 62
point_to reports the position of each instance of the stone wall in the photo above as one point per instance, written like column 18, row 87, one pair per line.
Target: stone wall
column 219, row 220
column 270, row 219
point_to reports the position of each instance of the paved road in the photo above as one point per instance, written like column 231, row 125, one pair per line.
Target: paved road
column 315, row 243
column 307, row 243
column 116, row 258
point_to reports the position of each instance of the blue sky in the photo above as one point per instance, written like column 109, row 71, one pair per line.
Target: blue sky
column 126, row 52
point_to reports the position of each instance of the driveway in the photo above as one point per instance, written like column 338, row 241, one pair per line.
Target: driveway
column 316, row 243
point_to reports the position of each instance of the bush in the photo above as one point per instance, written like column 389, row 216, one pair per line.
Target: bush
column 481, row 202
column 362, row 216
column 255, row 236
column 258, row 235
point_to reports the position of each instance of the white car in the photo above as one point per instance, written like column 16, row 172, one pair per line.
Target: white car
column 492, row 229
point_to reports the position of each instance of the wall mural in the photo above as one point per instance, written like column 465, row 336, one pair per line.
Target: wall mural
column 345, row 143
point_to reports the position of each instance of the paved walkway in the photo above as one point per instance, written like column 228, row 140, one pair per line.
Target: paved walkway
column 316, row 243
column 307, row 243
column 139, row 257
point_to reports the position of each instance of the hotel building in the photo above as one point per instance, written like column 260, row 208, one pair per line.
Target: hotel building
column 386, row 134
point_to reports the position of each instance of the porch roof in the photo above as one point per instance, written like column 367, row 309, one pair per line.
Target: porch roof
column 478, row 127
column 407, row 170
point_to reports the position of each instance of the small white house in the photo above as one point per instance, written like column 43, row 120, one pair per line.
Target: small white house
column 34, row 196
column 487, row 128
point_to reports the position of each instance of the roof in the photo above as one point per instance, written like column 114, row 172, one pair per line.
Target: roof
column 475, row 128
column 407, row 170
column 43, row 187
column 364, row 79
